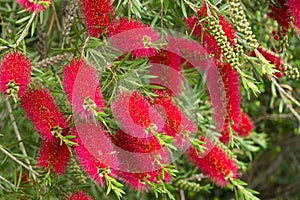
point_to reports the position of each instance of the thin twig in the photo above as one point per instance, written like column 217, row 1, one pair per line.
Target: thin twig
column 16, row 129
column 7, row 181
column 18, row 161
column 56, row 17
column 25, row 31
column 84, row 45
column 285, row 93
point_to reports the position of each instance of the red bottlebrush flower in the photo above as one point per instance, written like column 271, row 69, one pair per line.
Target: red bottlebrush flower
column 175, row 121
column 224, row 134
column 80, row 195
column 54, row 155
column 243, row 126
column 215, row 163
column 94, row 151
column 133, row 113
column 134, row 144
column 140, row 181
column 97, row 15
column 139, row 158
column 231, row 86
column 82, row 87
column 208, row 40
column 279, row 12
column 132, row 36
column 34, row 6
column 14, row 73
column 43, row 113
column 273, row 59
column 167, row 58
column 294, row 7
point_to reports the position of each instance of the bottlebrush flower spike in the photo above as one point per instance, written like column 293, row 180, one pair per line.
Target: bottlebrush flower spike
column 53, row 155
column 224, row 134
column 94, row 151
column 82, row 87
column 33, row 5
column 208, row 40
column 140, row 181
column 215, row 163
column 279, row 11
column 139, row 158
column 243, row 126
column 80, row 196
column 97, row 15
column 43, row 113
column 133, row 113
column 132, row 36
column 231, row 85
column 14, row 73
column 294, row 8
column 273, row 59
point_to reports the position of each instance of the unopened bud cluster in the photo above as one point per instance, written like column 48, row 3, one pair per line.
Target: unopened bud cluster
column 241, row 24
column 222, row 41
column 53, row 60
column 292, row 72
column 189, row 186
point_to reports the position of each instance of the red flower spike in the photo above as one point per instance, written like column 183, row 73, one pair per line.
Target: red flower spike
column 97, row 15
column 139, row 181
column 32, row 6
column 14, row 73
column 82, row 87
column 294, row 7
column 133, row 113
column 132, row 36
column 273, row 59
column 43, row 113
column 231, row 85
column 280, row 13
column 94, row 151
column 208, row 41
column 54, row 155
column 134, row 144
column 137, row 160
column 176, row 124
column 80, row 195
column 215, row 163
column 224, row 134
column 243, row 126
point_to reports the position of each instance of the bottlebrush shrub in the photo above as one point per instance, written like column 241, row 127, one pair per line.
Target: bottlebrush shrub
column 82, row 88
column 15, row 71
column 34, row 6
column 43, row 113
column 130, row 140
